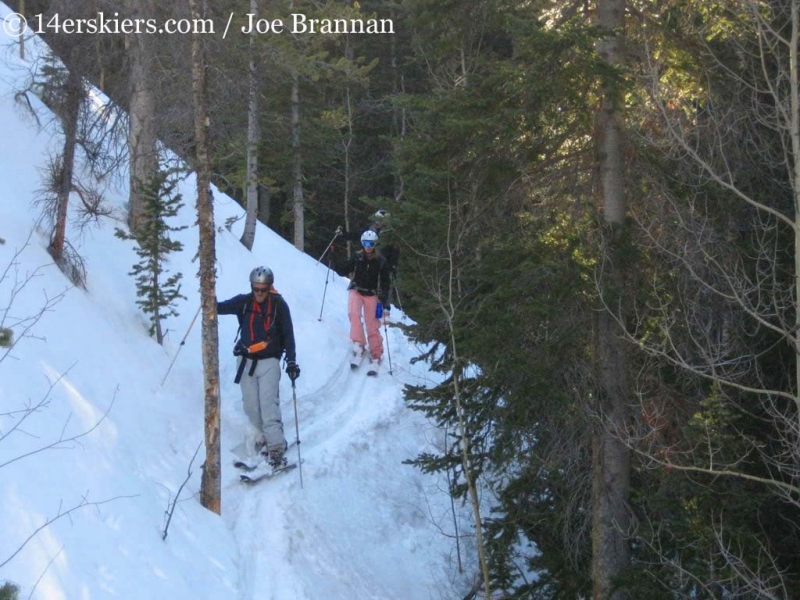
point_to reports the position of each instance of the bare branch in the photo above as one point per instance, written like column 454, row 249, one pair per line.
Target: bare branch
column 171, row 508
column 59, row 515
column 63, row 440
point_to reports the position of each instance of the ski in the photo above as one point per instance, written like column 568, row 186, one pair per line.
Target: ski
column 356, row 357
column 240, row 464
column 252, row 466
column 251, row 478
column 373, row 370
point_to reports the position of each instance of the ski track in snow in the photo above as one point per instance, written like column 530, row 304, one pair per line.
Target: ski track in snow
column 337, row 420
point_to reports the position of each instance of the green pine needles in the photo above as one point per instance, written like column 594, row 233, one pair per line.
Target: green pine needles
column 9, row 591
column 157, row 291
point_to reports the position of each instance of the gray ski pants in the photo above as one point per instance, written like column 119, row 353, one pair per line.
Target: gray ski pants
column 260, row 397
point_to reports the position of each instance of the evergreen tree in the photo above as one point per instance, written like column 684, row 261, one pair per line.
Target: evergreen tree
column 157, row 292
column 9, row 591
column 503, row 141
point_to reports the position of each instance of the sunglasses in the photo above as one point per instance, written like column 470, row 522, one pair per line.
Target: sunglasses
column 368, row 244
column 257, row 290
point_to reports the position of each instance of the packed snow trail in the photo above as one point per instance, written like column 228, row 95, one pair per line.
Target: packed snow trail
column 322, row 538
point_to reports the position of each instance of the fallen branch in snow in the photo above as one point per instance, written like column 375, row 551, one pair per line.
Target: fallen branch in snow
column 171, row 508
column 30, row 409
column 62, row 441
column 82, row 504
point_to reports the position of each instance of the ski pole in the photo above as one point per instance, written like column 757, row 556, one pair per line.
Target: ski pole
column 388, row 350
column 397, row 293
column 327, row 275
column 183, row 341
column 335, row 235
column 297, row 433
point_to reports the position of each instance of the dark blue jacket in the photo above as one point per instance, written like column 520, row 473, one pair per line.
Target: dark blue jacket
column 269, row 321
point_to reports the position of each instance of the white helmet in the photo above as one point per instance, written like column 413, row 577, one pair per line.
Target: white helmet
column 381, row 215
column 262, row 275
column 369, row 238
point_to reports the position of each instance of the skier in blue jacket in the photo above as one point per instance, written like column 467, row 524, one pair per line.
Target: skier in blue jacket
column 265, row 334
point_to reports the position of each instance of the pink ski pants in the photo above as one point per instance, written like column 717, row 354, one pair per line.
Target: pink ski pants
column 355, row 305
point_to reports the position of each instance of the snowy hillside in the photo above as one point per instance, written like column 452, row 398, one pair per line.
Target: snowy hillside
column 365, row 526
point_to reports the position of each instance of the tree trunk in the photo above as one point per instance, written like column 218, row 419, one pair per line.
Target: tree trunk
column 610, row 456
column 264, row 200
column 73, row 95
column 210, row 488
column 142, row 131
column 156, row 307
column 21, row 11
column 253, row 139
column 297, row 202
column 454, row 292
column 794, row 128
column 346, row 145
column 398, row 115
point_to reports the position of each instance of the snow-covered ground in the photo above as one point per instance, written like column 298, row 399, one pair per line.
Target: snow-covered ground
column 365, row 526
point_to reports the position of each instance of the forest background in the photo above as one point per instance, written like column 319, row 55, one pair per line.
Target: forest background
column 596, row 205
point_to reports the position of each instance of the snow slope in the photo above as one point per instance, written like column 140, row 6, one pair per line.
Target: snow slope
column 365, row 526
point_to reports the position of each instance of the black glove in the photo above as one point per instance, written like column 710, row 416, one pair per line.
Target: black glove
column 292, row 370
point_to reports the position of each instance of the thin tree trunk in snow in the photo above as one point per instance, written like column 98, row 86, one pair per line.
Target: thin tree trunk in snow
column 157, row 308
column 610, row 457
column 142, row 129
column 22, row 37
column 297, row 200
column 253, row 139
column 448, row 301
column 73, row 95
column 210, row 487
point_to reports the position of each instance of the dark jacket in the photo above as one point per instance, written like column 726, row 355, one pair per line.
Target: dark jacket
column 370, row 276
column 269, row 321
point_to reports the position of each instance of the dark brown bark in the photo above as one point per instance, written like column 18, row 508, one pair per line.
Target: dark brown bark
column 253, row 139
column 297, row 196
column 610, row 456
column 73, row 96
column 210, row 488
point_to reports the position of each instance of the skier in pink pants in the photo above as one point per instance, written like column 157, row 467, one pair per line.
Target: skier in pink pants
column 369, row 283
